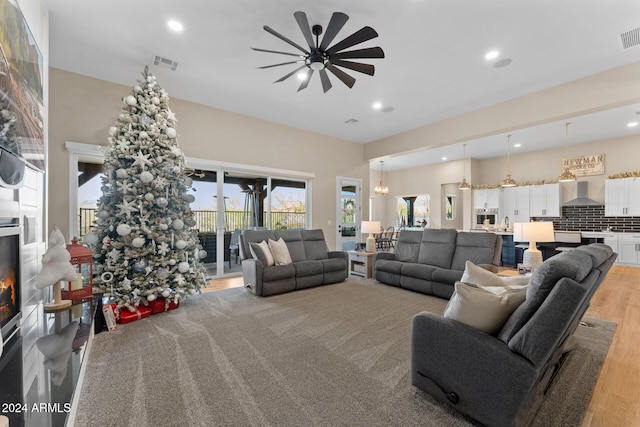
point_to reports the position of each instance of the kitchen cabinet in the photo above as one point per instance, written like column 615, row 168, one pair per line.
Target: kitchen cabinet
column 629, row 249
column 544, row 200
column 622, row 197
column 514, row 204
column 486, row 198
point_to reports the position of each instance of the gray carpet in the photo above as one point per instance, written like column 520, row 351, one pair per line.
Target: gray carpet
column 328, row 356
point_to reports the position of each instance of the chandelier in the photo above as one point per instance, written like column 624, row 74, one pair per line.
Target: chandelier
column 508, row 181
column 566, row 175
column 464, row 185
column 381, row 188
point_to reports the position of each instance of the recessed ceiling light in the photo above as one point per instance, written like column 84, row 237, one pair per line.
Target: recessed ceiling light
column 444, row 158
column 377, row 105
column 632, row 124
column 175, row 25
column 492, row 54
column 518, row 145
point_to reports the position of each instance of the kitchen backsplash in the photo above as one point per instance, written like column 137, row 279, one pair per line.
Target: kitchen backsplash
column 591, row 218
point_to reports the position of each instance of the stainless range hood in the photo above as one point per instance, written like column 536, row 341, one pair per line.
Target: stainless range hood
column 583, row 196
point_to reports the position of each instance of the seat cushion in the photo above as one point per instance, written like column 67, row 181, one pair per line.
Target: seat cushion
column 333, row 264
column 278, row 272
column 418, row 271
column 444, row 275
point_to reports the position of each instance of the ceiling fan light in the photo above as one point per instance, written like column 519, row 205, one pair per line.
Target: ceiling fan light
column 317, row 65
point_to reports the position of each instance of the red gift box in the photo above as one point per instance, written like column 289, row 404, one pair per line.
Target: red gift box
column 160, row 305
column 126, row 316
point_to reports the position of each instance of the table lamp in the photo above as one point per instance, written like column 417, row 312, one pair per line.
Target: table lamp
column 370, row 227
column 533, row 232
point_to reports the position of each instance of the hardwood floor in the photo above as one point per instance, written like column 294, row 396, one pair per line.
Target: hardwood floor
column 616, row 397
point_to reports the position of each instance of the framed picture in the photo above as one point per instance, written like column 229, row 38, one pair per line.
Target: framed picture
column 21, row 90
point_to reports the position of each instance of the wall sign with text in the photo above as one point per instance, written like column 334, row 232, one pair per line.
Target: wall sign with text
column 592, row 164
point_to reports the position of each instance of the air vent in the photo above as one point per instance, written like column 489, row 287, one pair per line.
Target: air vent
column 159, row 61
column 630, row 38
column 351, row 121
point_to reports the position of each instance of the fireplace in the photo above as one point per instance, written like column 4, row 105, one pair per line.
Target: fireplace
column 10, row 302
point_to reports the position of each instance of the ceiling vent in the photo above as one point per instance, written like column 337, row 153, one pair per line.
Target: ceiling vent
column 159, row 61
column 351, row 121
column 630, row 38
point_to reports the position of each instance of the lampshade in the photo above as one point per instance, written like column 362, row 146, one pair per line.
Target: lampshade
column 370, row 226
column 533, row 232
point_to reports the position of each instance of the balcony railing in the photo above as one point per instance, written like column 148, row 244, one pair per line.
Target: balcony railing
column 206, row 220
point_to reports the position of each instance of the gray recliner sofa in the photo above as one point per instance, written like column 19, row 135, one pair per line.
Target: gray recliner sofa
column 313, row 264
column 500, row 380
column 432, row 260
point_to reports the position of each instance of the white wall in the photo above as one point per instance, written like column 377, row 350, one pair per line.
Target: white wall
column 83, row 108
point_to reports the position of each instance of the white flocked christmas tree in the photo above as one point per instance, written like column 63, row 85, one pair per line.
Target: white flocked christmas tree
column 144, row 241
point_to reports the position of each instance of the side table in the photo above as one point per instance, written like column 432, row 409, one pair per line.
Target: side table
column 361, row 264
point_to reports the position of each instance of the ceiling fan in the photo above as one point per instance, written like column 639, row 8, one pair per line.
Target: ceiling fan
column 320, row 57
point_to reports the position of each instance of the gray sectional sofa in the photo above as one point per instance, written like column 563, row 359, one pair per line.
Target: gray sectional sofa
column 312, row 262
column 500, row 380
column 432, row 260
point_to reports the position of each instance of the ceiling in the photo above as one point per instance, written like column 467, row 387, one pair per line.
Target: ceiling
column 434, row 66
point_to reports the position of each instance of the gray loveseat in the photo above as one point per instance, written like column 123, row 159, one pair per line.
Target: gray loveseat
column 500, row 380
column 432, row 260
column 312, row 262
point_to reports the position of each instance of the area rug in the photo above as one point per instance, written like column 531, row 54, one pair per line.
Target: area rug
column 327, row 356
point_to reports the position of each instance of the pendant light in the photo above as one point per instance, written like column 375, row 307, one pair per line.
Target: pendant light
column 508, row 181
column 381, row 188
column 566, row 175
column 464, row 185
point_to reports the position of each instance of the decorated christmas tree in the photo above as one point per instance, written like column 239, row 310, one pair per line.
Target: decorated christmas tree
column 144, row 243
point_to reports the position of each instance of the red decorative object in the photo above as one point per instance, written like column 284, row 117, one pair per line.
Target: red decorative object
column 160, row 305
column 126, row 316
column 80, row 290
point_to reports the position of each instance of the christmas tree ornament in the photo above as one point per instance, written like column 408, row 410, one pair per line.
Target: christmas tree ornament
column 113, row 130
column 149, row 197
column 102, row 214
column 189, row 198
column 138, row 242
column 146, row 177
column 137, row 89
column 163, row 227
column 90, row 238
column 171, row 133
column 131, row 100
column 183, row 267
column 123, row 229
column 151, row 297
column 166, row 293
column 155, row 100
column 177, row 224
column 122, row 173
column 181, row 244
column 143, row 135
column 202, row 254
column 162, row 202
column 139, row 265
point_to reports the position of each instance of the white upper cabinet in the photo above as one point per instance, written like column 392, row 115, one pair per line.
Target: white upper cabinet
column 514, row 204
column 622, row 197
column 545, row 200
column 488, row 198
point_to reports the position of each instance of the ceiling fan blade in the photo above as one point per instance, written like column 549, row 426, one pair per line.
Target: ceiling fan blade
column 305, row 82
column 290, row 74
column 360, row 36
column 344, row 77
column 355, row 66
column 277, row 51
column 282, row 63
column 338, row 19
column 303, row 23
column 284, row 39
column 370, row 52
column 324, row 78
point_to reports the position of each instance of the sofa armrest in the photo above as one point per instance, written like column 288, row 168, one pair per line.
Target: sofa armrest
column 252, row 275
column 339, row 255
column 475, row 372
column 383, row 255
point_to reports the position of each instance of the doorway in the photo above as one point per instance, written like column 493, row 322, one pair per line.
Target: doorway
column 348, row 213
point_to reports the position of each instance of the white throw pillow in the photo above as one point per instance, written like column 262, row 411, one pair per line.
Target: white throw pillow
column 280, row 251
column 264, row 247
column 485, row 308
column 480, row 276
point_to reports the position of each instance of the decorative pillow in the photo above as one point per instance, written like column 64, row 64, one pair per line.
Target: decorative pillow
column 485, row 308
column 280, row 251
column 480, row 276
column 261, row 251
